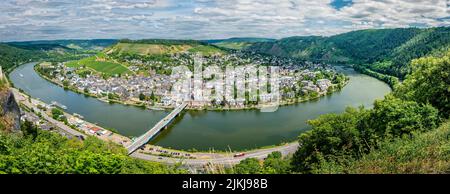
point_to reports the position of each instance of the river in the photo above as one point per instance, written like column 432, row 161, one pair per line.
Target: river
column 204, row 130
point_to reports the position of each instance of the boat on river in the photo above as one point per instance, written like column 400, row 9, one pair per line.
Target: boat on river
column 57, row 104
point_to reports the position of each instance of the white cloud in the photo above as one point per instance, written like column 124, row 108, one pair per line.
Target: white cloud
column 208, row 19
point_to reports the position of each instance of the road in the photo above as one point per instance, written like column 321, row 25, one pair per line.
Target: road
column 222, row 159
column 213, row 158
column 24, row 100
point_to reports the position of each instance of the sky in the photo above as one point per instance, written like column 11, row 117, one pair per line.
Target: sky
column 210, row 19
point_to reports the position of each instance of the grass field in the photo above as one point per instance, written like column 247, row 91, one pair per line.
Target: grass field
column 205, row 50
column 106, row 67
column 148, row 49
column 159, row 49
column 233, row 45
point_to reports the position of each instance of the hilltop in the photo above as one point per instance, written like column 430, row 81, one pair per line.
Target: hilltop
column 94, row 44
column 15, row 53
column 162, row 47
column 116, row 58
column 237, row 43
column 393, row 49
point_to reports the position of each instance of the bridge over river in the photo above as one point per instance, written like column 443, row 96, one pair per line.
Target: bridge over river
column 143, row 139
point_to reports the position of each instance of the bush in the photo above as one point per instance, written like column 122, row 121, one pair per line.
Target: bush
column 50, row 153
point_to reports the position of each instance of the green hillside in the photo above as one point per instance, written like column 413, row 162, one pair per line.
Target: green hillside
column 162, row 47
column 100, row 64
column 43, row 152
column 11, row 56
column 407, row 132
column 94, row 44
column 16, row 53
column 426, row 153
column 395, row 46
column 237, row 43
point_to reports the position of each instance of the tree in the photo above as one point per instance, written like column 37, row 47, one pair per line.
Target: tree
column 29, row 129
column 141, row 97
column 152, row 96
column 331, row 136
column 429, row 82
column 393, row 117
column 276, row 164
column 248, row 166
column 51, row 153
column 56, row 113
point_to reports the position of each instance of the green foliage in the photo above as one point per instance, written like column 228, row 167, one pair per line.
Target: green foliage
column 11, row 56
column 429, row 82
column 393, row 117
column 106, row 67
column 248, row 166
column 332, row 136
column 29, row 129
column 57, row 113
column 162, row 47
column 273, row 164
column 50, row 153
column 390, row 80
column 336, row 138
column 142, row 96
column 424, row 153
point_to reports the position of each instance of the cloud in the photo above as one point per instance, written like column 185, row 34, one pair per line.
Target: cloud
column 210, row 19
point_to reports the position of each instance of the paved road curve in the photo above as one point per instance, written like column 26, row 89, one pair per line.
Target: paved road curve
column 226, row 160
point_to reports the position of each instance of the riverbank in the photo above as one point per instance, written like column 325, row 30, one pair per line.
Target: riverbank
column 206, row 130
column 151, row 152
column 142, row 104
column 388, row 79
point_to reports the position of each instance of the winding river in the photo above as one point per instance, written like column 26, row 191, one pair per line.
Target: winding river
column 204, row 130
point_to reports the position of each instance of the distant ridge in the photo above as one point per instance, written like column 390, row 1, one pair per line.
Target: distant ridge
column 393, row 49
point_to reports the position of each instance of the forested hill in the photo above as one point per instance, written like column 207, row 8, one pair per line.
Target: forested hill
column 10, row 56
column 394, row 48
column 16, row 53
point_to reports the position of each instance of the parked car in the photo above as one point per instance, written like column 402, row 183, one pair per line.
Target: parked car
column 239, row 154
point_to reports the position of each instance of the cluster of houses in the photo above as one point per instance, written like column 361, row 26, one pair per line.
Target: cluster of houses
column 87, row 127
column 294, row 76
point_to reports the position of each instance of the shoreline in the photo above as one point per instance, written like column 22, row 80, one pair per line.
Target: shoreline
column 203, row 155
column 149, row 151
column 163, row 108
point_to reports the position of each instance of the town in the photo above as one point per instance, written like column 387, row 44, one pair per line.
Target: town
column 151, row 84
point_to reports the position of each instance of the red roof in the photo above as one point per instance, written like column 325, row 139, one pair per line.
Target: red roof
column 95, row 129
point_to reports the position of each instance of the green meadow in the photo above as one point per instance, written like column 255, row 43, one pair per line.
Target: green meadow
column 106, row 67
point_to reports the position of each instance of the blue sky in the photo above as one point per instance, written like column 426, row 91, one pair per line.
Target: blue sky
column 210, row 19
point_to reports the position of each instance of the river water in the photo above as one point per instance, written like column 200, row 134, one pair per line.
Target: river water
column 204, row 130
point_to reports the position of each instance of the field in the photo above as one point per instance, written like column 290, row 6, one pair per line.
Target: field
column 159, row 49
column 148, row 49
column 206, row 50
column 233, row 45
column 106, row 67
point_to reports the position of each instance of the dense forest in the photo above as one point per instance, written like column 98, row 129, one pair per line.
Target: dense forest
column 394, row 48
column 11, row 56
